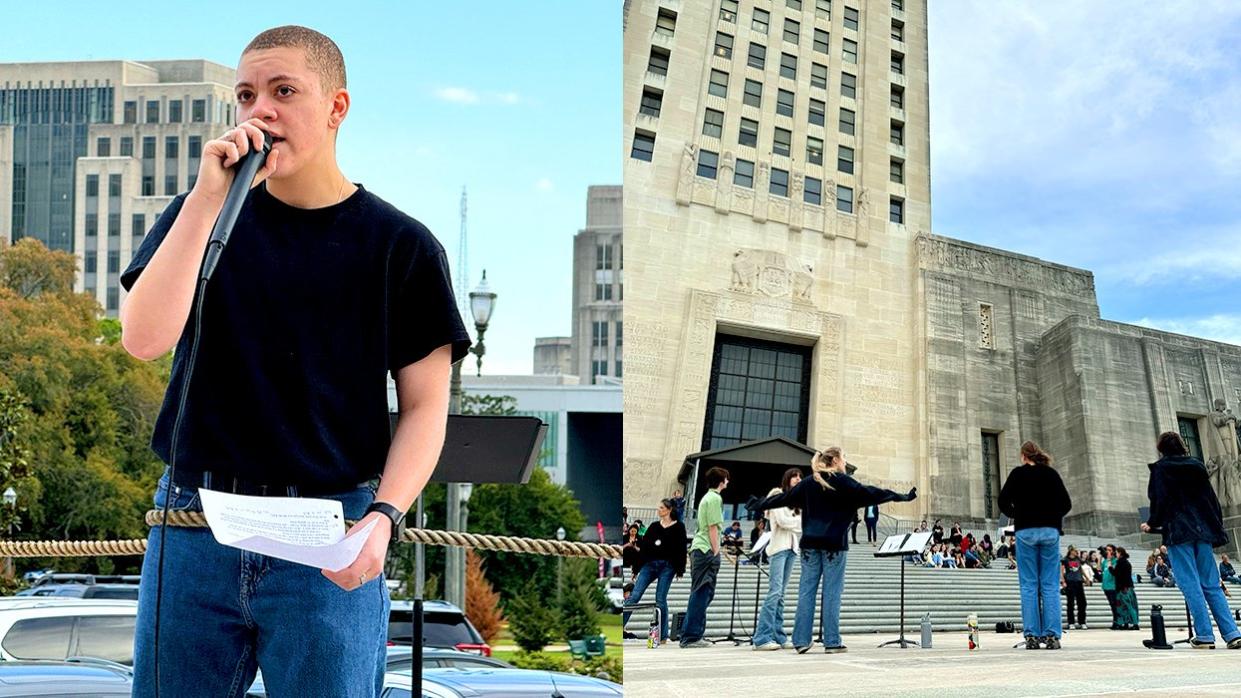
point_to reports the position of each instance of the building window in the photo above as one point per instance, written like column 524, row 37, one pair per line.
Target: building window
column 851, row 18
column 603, row 291
column 823, row 9
column 170, row 185
column 898, row 97
column 896, row 210
column 821, row 41
column 898, row 63
column 92, row 262
column 898, row 5
column 753, row 93
column 896, row 171
column 898, row 133
column 719, row 83
column 92, row 225
column 748, row 134
column 171, row 148
column 814, row 150
column 846, row 121
column 114, row 262
column 652, row 101
column 195, row 148
column 148, row 185
column 152, row 111
column 603, row 257
column 658, row 63
column 174, row 111
column 199, row 114
column 131, row 112
column 713, row 123
column 784, row 103
column 792, row 31
column 103, row 147
column 666, row 22
column 991, row 473
column 1188, row 427
column 844, row 159
column 986, row 335
column 599, row 334
column 757, row 390
column 782, row 142
column 744, row 176
column 620, row 335
column 814, row 191
column 114, row 185
column 848, row 85
column 148, row 147
column 788, row 66
column 818, row 112
column 598, row 368
column 844, row 199
column 707, row 163
column 793, row 4
column 779, row 182
column 898, row 30
column 849, row 51
column 114, row 225
column 818, row 75
column 643, row 146
column 92, row 185
column 724, row 45
column 757, row 57
column 113, row 298
column 728, row 10
column 138, row 226
column 127, row 146
column 761, row 21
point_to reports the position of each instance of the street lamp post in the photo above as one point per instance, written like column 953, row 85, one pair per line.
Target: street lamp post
column 560, row 534
column 10, row 501
column 482, row 304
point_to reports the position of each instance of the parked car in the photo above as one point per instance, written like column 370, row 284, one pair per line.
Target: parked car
column 513, row 683
column 59, row 627
column 84, row 586
column 74, row 677
column 614, row 587
column 443, row 625
column 402, row 657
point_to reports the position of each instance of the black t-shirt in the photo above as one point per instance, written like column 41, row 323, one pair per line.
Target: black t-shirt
column 307, row 312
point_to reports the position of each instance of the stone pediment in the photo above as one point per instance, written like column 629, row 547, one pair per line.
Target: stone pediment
column 771, row 274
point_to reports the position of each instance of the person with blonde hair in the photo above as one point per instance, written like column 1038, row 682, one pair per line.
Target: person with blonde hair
column 828, row 499
column 1035, row 498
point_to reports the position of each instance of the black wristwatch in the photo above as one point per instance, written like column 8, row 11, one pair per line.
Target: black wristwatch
column 396, row 515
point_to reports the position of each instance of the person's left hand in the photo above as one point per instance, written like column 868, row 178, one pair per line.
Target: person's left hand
column 370, row 562
column 1146, row 528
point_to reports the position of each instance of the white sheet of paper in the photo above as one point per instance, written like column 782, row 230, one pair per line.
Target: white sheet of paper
column 303, row 530
column 910, row 543
column 762, row 542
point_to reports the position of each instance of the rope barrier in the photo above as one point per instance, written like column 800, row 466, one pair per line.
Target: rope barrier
column 195, row 519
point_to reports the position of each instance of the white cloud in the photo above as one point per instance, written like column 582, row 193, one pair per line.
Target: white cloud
column 457, row 95
column 508, row 97
column 1182, row 256
column 544, row 184
column 1223, row 327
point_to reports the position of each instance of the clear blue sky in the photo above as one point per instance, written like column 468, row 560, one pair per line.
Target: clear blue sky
column 1103, row 135
column 519, row 101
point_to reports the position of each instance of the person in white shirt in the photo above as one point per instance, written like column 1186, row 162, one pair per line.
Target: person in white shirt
column 782, row 550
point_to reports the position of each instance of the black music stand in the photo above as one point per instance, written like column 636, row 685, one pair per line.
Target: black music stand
column 732, row 611
column 900, row 545
column 478, row 449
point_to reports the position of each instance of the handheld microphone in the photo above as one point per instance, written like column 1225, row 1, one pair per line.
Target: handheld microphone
column 246, row 169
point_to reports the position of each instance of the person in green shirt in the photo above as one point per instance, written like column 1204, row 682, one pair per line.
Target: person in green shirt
column 704, row 561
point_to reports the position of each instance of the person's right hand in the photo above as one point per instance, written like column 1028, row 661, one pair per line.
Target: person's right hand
column 215, row 169
column 912, row 494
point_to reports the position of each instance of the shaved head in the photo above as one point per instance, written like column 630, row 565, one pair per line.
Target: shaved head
column 322, row 54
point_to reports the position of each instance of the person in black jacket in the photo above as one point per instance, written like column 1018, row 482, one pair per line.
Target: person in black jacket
column 1035, row 499
column 828, row 501
column 1126, row 599
column 663, row 557
column 1185, row 510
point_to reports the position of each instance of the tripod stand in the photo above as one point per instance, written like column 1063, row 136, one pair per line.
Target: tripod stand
column 903, row 545
column 732, row 611
column 1189, row 623
column 902, row 640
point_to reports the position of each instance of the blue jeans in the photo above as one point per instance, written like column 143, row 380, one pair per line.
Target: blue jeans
column 1038, row 570
column 703, row 569
column 661, row 572
column 830, row 566
column 226, row 613
column 1193, row 565
column 771, row 618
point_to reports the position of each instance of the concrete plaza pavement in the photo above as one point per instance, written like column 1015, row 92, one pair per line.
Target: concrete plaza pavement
column 1092, row 663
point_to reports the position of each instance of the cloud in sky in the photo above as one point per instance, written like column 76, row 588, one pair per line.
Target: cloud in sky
column 468, row 96
column 1223, row 327
column 544, row 184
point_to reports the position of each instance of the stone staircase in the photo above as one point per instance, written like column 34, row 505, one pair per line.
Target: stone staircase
column 871, row 600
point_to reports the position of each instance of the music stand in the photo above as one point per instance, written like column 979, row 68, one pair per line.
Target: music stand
column 900, row 545
column 732, row 611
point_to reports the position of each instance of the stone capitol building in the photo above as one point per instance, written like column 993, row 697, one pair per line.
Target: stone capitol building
column 786, row 292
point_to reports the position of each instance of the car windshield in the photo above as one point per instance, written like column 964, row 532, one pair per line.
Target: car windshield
column 439, row 629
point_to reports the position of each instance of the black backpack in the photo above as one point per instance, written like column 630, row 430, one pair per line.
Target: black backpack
column 1005, row 626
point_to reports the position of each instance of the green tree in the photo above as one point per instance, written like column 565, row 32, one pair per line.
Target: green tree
column 579, row 599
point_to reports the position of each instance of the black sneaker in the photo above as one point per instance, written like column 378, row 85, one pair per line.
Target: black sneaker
column 1201, row 645
column 1052, row 643
column 836, row 649
column 1031, row 642
column 1235, row 643
column 802, row 650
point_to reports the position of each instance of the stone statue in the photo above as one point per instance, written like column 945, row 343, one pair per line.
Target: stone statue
column 1224, row 462
column 745, row 271
column 803, row 281
column 863, row 204
column 1225, row 432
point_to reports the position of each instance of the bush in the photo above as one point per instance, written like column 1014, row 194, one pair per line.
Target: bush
column 579, row 604
column 532, row 624
column 609, row 667
column 482, row 603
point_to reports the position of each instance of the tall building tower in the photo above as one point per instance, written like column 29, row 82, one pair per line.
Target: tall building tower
column 598, row 289
column 92, row 152
column 777, row 177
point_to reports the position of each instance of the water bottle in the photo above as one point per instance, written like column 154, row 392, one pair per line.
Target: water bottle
column 926, row 631
column 972, row 623
column 652, row 633
column 1159, row 636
